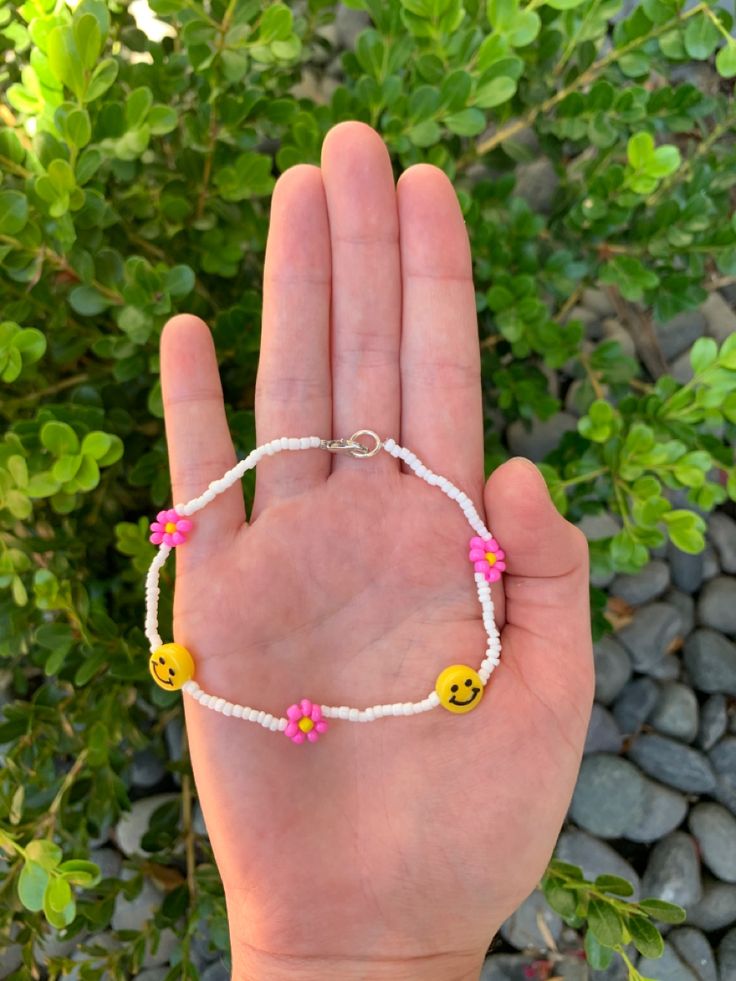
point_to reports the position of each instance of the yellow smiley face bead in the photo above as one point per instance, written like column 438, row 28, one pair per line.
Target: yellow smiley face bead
column 460, row 688
column 171, row 665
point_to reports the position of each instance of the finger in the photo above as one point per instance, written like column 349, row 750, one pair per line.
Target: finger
column 197, row 433
column 366, row 288
column 547, row 611
column 293, row 386
column 441, row 400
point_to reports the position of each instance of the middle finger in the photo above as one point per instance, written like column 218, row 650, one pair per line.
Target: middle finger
column 366, row 288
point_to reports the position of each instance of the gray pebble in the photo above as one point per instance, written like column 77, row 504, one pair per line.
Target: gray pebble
column 693, row 947
column 506, row 967
column 521, row 929
column 664, row 810
column 720, row 318
column 598, row 301
column 635, row 704
column 541, row 437
column 105, row 940
column 133, row 914
column 727, row 956
column 722, row 532
column 614, row 330
column 673, row 763
column 538, row 183
column 673, row 871
column 668, row 967
column 612, row 669
column 710, row 660
column 713, row 721
column 168, row 942
column 133, row 824
column 109, row 860
column 716, row 908
column 596, row 526
column 711, row 565
column 218, row 971
column 146, row 769
column 681, row 369
column 646, row 585
column 609, row 796
column 685, row 606
column 676, row 712
column 586, row 316
column 686, row 569
column 717, row 604
column 715, row 831
column 680, row 333
column 723, row 758
column 668, row 669
column 649, row 634
column 594, row 857
column 152, row 974
column 603, row 736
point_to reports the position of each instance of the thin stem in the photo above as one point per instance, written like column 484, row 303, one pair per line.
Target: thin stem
column 582, row 80
column 584, row 477
column 592, row 376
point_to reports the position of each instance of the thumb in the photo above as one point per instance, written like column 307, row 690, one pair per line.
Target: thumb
column 546, row 578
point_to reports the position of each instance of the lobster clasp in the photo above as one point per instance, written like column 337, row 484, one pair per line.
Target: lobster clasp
column 352, row 445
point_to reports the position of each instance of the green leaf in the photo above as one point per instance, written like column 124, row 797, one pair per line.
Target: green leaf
column 662, row 910
column 605, row 922
column 686, row 530
column 102, row 78
column 162, row 119
column 58, row 918
column 703, row 354
column 647, row 938
column 640, row 150
column 32, row 885
column 563, row 901
column 13, row 212
column 66, row 467
column 59, row 438
column 180, row 280
column 44, row 852
column 495, row 92
column 726, row 60
column 701, row 37
column 89, row 39
column 598, row 956
column 80, row 872
column 468, row 122
column 614, row 884
column 78, row 128
column 96, row 444
column 564, row 4
column 31, row 344
column 630, row 275
column 665, row 161
column 88, row 301
column 59, row 893
column 64, row 60
column 526, row 29
column 137, row 107
column 88, row 475
column 426, row 133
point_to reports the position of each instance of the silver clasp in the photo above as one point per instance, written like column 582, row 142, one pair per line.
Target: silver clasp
column 352, row 446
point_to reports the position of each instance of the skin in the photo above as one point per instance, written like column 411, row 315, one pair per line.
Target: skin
column 391, row 849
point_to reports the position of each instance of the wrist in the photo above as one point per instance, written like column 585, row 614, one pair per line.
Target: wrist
column 253, row 964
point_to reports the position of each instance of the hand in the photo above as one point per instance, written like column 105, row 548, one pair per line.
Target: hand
column 395, row 848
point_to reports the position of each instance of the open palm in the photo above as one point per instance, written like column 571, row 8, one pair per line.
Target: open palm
column 393, row 848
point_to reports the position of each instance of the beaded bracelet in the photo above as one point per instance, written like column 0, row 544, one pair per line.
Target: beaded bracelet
column 458, row 688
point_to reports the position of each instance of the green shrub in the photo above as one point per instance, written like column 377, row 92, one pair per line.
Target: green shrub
column 136, row 181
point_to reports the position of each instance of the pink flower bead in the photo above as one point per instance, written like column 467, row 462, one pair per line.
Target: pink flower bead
column 170, row 528
column 305, row 722
column 487, row 557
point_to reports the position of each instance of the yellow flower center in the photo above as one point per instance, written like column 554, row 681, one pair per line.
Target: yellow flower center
column 305, row 724
column 170, row 527
column 490, row 558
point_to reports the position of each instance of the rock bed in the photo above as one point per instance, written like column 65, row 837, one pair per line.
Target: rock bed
column 655, row 800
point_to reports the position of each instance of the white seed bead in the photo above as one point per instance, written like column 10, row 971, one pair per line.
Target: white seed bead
column 353, row 715
column 227, row 708
column 370, row 714
column 408, row 708
column 343, row 712
column 284, row 443
column 219, row 705
column 377, row 711
column 267, row 719
column 304, row 443
column 238, row 711
column 282, row 724
column 294, row 443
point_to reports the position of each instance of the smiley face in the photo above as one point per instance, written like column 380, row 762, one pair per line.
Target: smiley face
column 459, row 687
column 171, row 665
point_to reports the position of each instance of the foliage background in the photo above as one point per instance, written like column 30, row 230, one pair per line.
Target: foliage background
column 136, row 177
